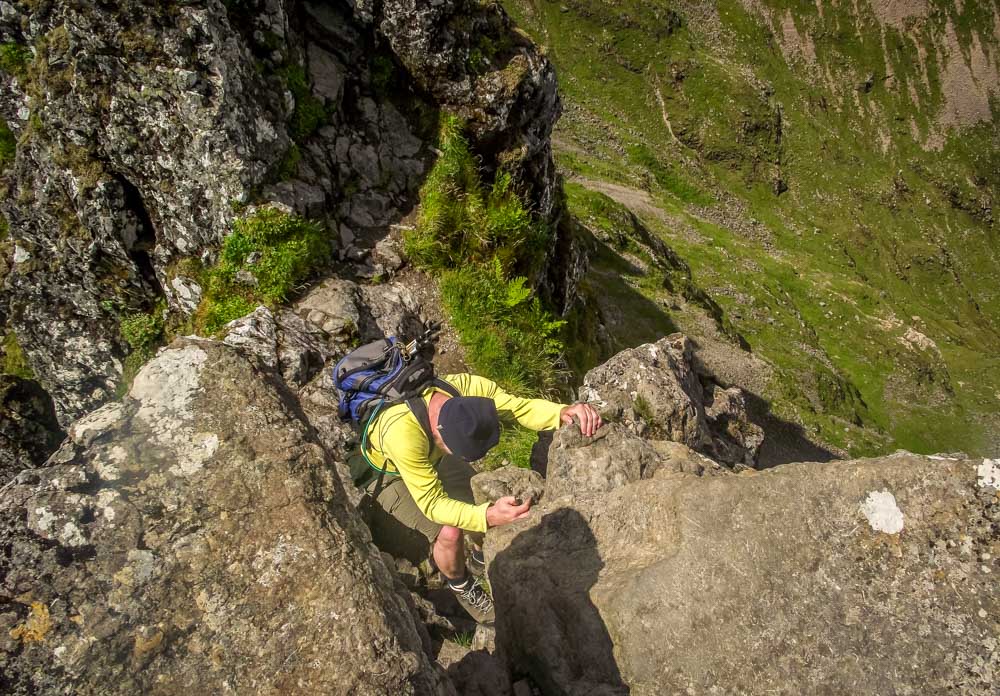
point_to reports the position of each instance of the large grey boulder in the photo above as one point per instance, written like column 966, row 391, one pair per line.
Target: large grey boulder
column 194, row 538
column 656, row 391
column 872, row 576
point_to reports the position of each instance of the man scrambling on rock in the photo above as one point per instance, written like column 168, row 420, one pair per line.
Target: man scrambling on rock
column 426, row 488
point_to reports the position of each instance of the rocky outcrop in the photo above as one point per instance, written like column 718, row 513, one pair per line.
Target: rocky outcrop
column 138, row 128
column 656, row 391
column 142, row 129
column 470, row 57
column 876, row 576
column 29, row 432
column 194, row 538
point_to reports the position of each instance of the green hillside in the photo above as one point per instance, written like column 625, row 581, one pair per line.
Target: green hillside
column 827, row 177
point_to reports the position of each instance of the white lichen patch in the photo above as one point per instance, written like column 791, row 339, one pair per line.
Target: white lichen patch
column 21, row 255
column 202, row 447
column 167, row 385
column 85, row 430
column 988, row 474
column 882, row 513
column 70, row 535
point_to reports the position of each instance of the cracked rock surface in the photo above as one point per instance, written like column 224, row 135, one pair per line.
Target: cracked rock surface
column 195, row 538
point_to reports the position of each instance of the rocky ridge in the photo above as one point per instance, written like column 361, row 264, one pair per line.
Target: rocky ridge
column 173, row 540
column 143, row 131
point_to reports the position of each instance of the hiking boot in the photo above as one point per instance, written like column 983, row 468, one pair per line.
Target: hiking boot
column 475, row 599
column 477, row 562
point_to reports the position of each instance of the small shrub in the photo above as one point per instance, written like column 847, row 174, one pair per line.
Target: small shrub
column 144, row 334
column 459, row 222
column 506, row 331
column 14, row 59
column 309, row 112
column 15, row 362
column 142, row 331
column 8, row 146
column 286, row 250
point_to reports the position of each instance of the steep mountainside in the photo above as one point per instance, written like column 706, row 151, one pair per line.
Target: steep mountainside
column 826, row 177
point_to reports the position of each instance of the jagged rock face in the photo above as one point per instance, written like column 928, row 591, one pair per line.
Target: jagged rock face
column 874, row 576
column 470, row 58
column 489, row 486
column 656, row 391
column 29, row 431
column 613, row 457
column 194, row 538
column 296, row 348
column 141, row 127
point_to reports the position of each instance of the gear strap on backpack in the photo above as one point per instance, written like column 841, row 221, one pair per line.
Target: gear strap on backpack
column 381, row 374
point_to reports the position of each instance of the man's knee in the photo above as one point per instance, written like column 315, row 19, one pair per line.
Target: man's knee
column 449, row 535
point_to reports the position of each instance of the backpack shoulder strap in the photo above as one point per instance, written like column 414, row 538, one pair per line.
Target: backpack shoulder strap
column 419, row 409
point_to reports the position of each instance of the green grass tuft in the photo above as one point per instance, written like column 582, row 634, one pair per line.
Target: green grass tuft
column 288, row 167
column 8, row 146
column 461, row 222
column 15, row 362
column 144, row 333
column 309, row 114
column 279, row 251
column 14, row 59
column 507, row 333
column 514, row 448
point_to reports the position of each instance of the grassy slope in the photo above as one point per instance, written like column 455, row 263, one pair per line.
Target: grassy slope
column 826, row 279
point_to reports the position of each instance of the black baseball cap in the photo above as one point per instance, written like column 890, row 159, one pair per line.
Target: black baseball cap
column 469, row 426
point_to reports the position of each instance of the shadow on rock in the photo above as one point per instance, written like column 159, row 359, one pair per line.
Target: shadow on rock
column 547, row 626
column 784, row 441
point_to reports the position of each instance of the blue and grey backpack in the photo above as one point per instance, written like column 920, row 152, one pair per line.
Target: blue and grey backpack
column 384, row 373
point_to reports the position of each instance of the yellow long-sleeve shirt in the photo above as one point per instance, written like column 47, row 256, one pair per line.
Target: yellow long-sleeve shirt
column 397, row 441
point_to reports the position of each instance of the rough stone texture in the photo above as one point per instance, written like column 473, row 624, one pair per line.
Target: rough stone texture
column 333, row 306
column 319, row 404
column 29, row 432
column 146, row 121
column 286, row 342
column 470, row 57
column 774, row 582
column 490, row 486
column 656, row 392
column 194, row 539
column 609, row 459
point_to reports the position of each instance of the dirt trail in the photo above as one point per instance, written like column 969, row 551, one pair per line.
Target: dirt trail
column 636, row 200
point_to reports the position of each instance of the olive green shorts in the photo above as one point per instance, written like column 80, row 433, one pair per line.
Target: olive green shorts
column 396, row 502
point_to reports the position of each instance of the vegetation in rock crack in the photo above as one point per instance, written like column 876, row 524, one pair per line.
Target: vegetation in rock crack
column 14, row 59
column 144, row 333
column 477, row 238
column 15, row 362
column 514, row 448
column 309, row 113
column 462, row 221
column 509, row 336
column 8, row 146
column 263, row 260
column 464, row 638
